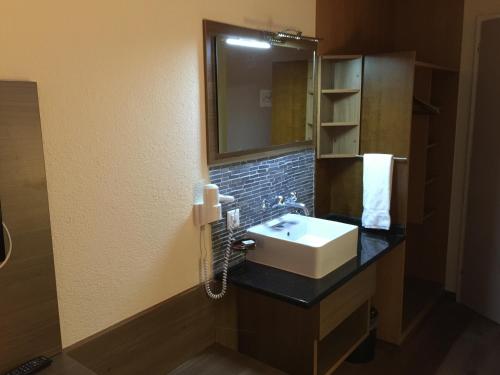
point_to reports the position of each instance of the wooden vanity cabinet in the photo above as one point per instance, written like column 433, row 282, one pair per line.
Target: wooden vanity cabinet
column 300, row 340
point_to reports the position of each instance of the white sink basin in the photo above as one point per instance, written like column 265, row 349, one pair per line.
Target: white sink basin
column 304, row 245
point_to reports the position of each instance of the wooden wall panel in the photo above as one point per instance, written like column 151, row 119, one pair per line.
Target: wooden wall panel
column 389, row 294
column 29, row 318
column 354, row 26
column 433, row 28
column 387, row 103
column 226, row 319
column 153, row 342
column 266, row 335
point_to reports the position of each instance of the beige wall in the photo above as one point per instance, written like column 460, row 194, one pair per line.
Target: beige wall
column 473, row 9
column 121, row 97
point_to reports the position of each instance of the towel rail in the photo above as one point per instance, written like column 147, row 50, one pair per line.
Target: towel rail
column 396, row 158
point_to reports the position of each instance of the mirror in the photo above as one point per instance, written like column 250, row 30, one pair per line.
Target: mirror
column 260, row 91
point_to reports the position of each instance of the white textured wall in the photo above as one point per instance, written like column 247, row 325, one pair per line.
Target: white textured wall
column 473, row 9
column 121, row 99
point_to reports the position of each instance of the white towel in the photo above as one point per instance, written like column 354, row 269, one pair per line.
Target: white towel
column 377, row 185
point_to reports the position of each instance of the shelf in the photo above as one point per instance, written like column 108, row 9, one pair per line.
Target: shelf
column 337, row 156
column 431, row 180
column 421, row 64
column 429, row 214
column 343, row 340
column 340, row 91
column 341, row 57
column 340, row 123
column 432, row 145
column 421, row 107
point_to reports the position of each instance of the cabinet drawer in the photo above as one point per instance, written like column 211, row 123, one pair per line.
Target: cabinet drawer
column 340, row 304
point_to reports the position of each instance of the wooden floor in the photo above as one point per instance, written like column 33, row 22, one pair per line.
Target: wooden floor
column 64, row 365
column 453, row 340
column 218, row 360
column 433, row 348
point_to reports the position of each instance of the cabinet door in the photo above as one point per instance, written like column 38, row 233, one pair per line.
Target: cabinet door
column 29, row 321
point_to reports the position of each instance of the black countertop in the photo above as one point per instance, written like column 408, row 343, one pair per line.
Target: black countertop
column 305, row 291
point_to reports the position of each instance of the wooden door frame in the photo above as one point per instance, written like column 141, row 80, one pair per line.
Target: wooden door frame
column 468, row 153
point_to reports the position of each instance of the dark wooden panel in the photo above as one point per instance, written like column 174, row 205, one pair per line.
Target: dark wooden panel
column 226, row 319
column 387, row 116
column 432, row 28
column 155, row 341
column 387, row 103
column 265, row 332
column 218, row 360
column 389, row 294
column 339, row 187
column 29, row 318
column 354, row 26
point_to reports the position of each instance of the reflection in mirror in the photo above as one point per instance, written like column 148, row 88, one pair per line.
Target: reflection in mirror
column 265, row 94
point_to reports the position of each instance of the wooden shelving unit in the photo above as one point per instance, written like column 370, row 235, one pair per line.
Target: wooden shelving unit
column 316, row 340
column 339, row 105
column 431, row 158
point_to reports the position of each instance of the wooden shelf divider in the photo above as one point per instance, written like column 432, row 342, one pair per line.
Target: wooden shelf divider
column 340, row 91
column 430, row 181
column 422, row 107
column 421, row 64
column 340, row 123
column 432, row 145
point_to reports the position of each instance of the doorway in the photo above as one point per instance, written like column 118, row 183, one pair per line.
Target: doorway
column 480, row 279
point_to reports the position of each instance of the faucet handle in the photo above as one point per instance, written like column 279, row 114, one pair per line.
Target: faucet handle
column 293, row 197
column 278, row 201
column 265, row 204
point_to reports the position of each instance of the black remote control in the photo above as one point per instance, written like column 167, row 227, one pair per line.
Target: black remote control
column 32, row 366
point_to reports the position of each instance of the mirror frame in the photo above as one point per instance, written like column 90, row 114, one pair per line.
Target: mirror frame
column 211, row 30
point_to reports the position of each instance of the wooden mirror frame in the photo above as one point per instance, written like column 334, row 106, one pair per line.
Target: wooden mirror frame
column 211, row 29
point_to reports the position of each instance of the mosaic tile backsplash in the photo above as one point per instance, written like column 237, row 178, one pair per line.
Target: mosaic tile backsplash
column 253, row 182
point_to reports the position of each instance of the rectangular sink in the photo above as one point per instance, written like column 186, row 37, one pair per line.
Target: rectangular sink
column 303, row 245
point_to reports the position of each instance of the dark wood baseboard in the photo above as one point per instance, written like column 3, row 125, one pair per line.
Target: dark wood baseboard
column 154, row 341
column 219, row 360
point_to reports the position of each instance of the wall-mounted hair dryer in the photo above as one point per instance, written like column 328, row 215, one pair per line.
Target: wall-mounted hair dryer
column 207, row 212
column 210, row 209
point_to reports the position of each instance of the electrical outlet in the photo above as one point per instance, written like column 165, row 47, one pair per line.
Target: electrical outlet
column 233, row 218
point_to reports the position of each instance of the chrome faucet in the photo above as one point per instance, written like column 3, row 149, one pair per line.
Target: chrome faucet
column 291, row 202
